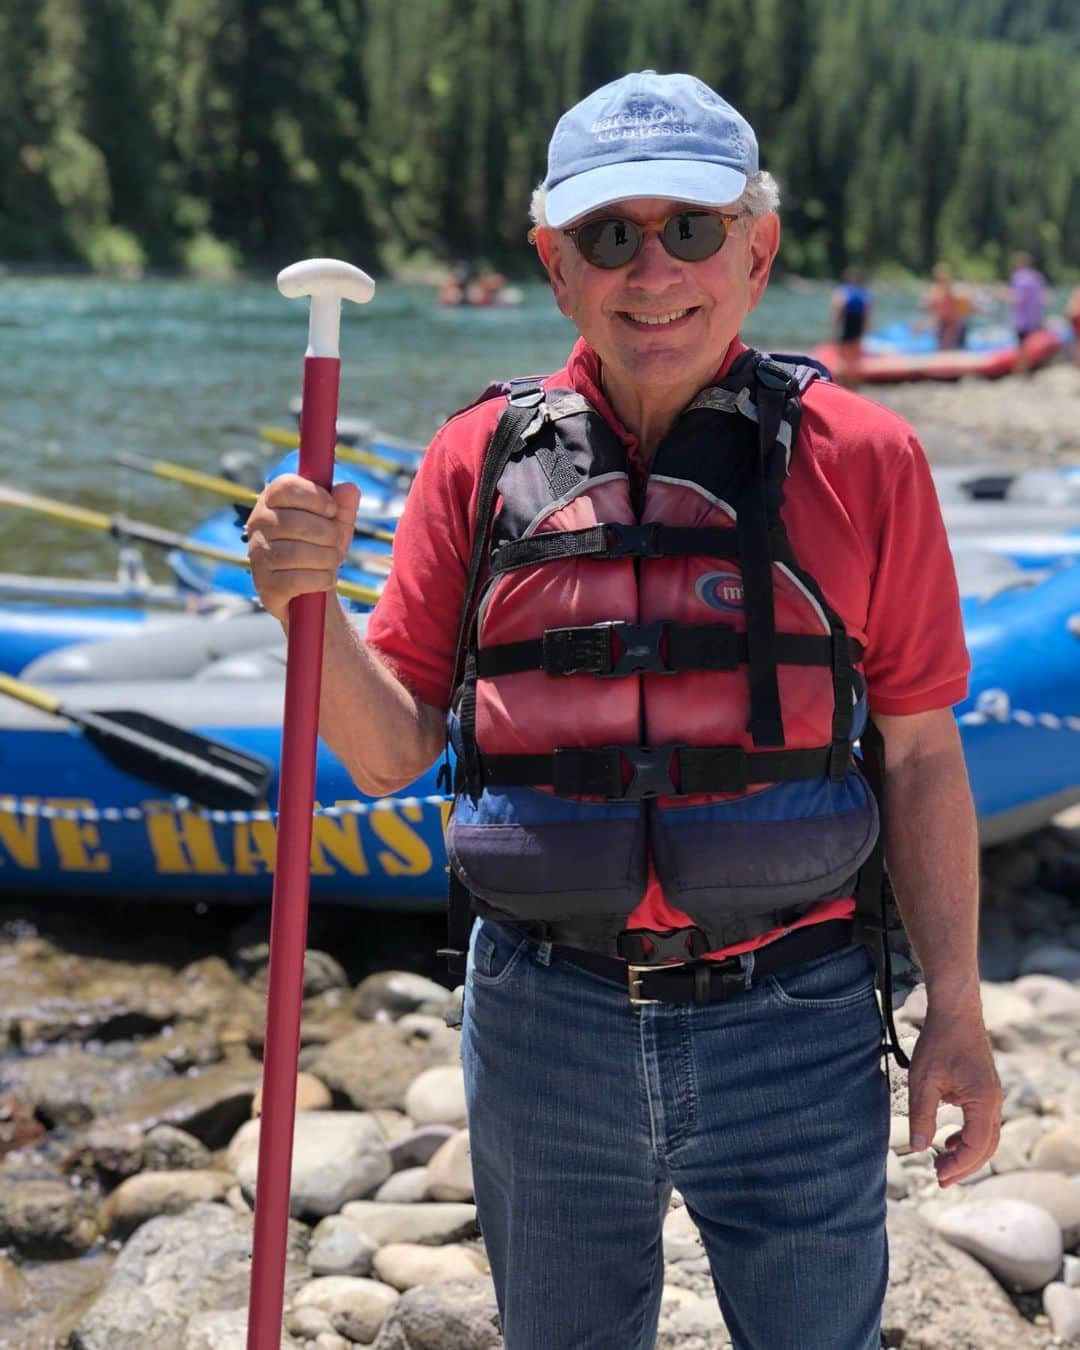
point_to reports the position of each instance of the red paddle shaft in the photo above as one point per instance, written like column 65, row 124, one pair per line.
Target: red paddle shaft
column 326, row 281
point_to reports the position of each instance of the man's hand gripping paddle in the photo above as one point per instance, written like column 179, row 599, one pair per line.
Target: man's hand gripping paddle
column 327, row 282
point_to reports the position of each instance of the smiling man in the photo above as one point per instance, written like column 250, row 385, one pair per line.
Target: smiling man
column 690, row 615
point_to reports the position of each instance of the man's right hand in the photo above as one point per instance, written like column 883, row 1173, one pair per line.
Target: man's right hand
column 298, row 536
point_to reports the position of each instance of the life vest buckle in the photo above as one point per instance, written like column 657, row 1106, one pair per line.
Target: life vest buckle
column 640, row 650
column 652, row 772
column 632, row 541
column 651, row 946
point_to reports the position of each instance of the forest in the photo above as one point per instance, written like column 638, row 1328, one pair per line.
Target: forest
column 219, row 134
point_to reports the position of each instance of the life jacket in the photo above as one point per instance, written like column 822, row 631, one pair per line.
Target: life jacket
column 652, row 670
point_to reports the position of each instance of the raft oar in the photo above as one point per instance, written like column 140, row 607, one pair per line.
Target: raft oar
column 120, row 527
column 327, row 282
column 238, row 494
column 352, row 454
column 161, row 752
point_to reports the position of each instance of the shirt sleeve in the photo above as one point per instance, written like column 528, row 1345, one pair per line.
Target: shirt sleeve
column 415, row 623
column 916, row 658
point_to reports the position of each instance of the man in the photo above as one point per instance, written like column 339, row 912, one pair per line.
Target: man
column 1027, row 298
column 653, row 697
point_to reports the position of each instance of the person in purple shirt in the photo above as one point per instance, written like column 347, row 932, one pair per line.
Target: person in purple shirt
column 1027, row 294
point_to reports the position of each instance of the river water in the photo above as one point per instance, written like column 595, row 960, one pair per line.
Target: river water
column 157, row 367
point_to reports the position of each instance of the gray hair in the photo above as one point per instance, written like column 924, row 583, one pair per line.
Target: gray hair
column 760, row 196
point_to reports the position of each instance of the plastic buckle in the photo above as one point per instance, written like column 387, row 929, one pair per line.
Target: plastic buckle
column 774, row 376
column 632, row 541
column 652, row 772
column 641, row 649
column 633, row 985
column 665, row 944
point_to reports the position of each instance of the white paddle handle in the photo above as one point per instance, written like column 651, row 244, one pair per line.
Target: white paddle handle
column 327, row 281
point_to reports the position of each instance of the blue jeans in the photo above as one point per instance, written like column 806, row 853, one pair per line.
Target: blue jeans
column 769, row 1112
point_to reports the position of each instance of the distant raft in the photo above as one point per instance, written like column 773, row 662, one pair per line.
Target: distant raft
column 899, row 363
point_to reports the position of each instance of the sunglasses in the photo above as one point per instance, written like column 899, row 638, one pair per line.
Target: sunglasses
column 690, row 236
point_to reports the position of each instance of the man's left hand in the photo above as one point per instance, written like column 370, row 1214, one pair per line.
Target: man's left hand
column 953, row 1062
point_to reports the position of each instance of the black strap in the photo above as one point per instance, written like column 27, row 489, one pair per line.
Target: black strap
column 610, row 650
column 618, row 540
column 653, row 770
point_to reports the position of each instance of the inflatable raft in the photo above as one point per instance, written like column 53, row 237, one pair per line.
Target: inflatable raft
column 881, row 365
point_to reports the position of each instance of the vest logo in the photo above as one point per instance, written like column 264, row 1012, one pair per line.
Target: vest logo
column 720, row 590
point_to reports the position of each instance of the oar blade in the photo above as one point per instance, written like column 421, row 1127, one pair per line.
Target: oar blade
column 208, row 771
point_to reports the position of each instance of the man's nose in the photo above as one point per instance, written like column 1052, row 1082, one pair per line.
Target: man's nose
column 653, row 262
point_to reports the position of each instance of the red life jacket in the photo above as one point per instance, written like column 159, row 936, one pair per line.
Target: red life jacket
column 653, row 672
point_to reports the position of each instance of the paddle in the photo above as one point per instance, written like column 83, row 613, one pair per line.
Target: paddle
column 242, row 496
column 327, row 282
column 350, row 453
column 161, row 752
column 120, row 527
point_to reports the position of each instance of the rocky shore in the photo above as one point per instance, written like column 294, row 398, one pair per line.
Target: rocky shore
column 129, row 1074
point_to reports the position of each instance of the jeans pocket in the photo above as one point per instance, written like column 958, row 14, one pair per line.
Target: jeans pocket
column 496, row 951
column 841, row 979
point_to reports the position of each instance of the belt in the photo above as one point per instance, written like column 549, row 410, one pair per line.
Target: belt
column 710, row 981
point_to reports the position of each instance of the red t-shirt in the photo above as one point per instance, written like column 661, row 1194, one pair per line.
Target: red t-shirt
column 861, row 512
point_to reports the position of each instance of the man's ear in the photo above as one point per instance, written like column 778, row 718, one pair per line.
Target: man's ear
column 764, row 243
column 549, row 247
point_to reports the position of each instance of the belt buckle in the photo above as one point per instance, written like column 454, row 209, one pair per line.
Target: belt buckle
column 633, row 984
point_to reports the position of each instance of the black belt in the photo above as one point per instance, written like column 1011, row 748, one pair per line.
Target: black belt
column 711, row 981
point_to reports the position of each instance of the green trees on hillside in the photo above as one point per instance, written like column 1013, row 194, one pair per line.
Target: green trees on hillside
column 187, row 132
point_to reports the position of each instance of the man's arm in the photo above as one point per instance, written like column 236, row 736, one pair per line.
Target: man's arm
column 932, row 852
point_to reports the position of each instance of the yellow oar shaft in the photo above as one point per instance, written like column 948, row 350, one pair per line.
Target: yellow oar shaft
column 97, row 520
column 25, row 693
column 209, row 482
column 350, row 453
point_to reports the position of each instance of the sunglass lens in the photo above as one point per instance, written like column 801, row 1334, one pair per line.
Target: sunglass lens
column 608, row 243
column 694, row 235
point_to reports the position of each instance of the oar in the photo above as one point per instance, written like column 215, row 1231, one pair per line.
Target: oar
column 238, row 494
column 160, row 752
column 327, row 282
column 120, row 527
column 350, row 453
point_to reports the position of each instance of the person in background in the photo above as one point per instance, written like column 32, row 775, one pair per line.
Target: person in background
column 949, row 305
column 1027, row 296
column 1072, row 313
column 849, row 313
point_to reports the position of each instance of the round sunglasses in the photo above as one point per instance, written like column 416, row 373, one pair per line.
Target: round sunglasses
column 690, row 236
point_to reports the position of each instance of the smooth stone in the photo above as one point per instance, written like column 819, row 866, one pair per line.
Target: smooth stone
column 674, row 1295
column 416, row 1148
column 449, row 1173
column 14, row 1291
column 307, row 1322
column 312, row 1094
column 224, row 1331
column 897, row 1180
column 1018, row 1137
column 1016, row 1240
column 393, row 1123
column 407, row 1264
column 109, row 1152
column 450, row 1315
column 337, row 1156
column 174, row 1267
column 1051, row 995
column 682, row 1241
column 1070, row 1271
column 1003, row 1008
column 168, row 1149
column 19, row 1127
column 45, row 1220
column 375, row 1064
column 340, row 1247
column 437, row 1096
column 330, row 1340
column 403, row 1188
column 428, row 1223
column 322, row 973
column 396, row 992
column 151, row 1193
column 1062, row 1305
column 1051, row 958
column 71, row 1087
column 356, row 1307
column 210, row 1104
column 1053, row 1191
column 1059, row 1148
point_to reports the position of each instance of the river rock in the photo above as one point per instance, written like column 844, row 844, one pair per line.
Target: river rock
column 108, row 1153
column 1070, row 1271
column 1052, row 1191
column 407, row 1264
column 356, row 1307
column 211, row 1104
column 312, row 1094
column 416, row 1148
column 428, row 1223
column 14, row 1291
column 322, row 973
column 374, row 1065
column 437, row 1096
column 1016, row 1240
column 174, row 1267
column 169, row 1149
column 682, row 1242
column 152, row 1193
column 389, row 994
column 452, row 1315
column 19, row 1127
column 449, row 1173
column 1018, row 1137
column 939, row 1297
column 45, row 1220
column 69, row 1087
column 224, row 1331
column 1051, row 995
column 1059, row 1148
column 337, row 1156
column 403, row 1188
column 1062, row 1306
column 340, row 1247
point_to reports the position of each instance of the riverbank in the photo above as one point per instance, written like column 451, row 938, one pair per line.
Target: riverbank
column 130, row 1052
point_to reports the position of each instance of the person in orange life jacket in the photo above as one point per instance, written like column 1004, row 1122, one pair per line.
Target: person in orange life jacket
column 655, row 593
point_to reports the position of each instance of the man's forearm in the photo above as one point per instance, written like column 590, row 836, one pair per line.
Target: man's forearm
column 932, row 850
column 383, row 735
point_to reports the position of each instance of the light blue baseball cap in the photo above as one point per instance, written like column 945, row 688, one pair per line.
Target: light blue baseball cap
column 648, row 135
